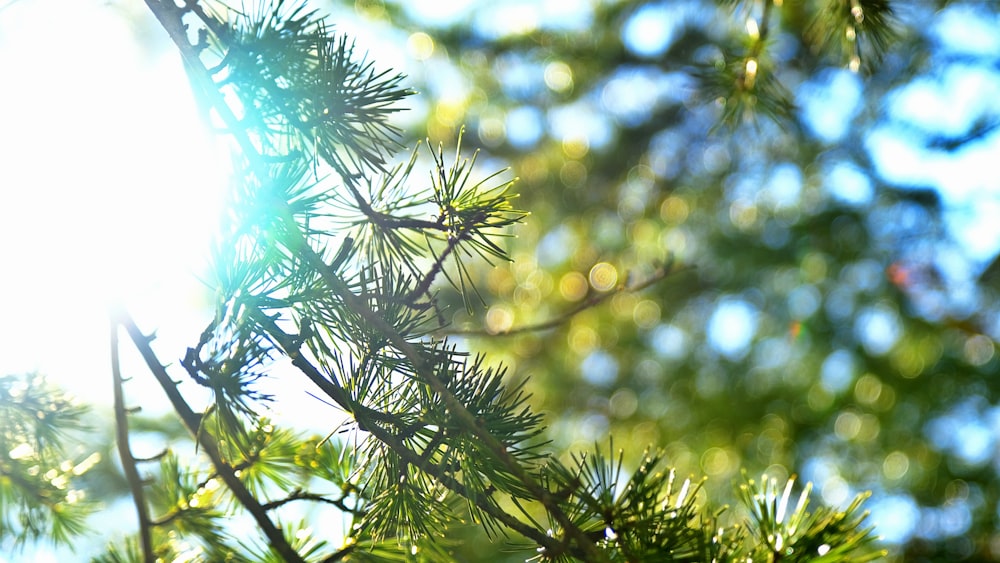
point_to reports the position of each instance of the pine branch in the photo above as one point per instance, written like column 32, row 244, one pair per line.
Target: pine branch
column 170, row 16
column 374, row 426
column 423, row 288
column 38, row 494
column 340, row 554
column 423, row 370
column 428, row 412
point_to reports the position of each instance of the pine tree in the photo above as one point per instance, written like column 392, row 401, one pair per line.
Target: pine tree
column 332, row 258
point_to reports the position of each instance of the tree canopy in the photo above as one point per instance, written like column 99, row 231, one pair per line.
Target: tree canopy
column 715, row 265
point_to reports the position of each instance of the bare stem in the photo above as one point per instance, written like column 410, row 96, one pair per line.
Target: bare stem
column 125, row 452
column 563, row 318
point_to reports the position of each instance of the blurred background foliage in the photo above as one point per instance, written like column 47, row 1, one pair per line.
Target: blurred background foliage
column 824, row 190
column 820, row 181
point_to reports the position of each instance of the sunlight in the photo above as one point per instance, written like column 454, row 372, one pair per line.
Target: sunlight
column 111, row 185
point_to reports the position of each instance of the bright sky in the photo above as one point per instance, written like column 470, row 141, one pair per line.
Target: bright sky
column 109, row 188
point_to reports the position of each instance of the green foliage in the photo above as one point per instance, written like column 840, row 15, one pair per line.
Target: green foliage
column 779, row 532
column 40, row 494
column 129, row 551
column 860, row 30
column 300, row 536
column 644, row 518
column 184, row 500
column 303, row 86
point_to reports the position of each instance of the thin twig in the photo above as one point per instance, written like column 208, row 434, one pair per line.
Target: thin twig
column 302, row 495
column 168, row 518
column 125, row 453
column 171, row 17
column 386, row 221
column 341, row 553
column 423, row 288
column 593, row 301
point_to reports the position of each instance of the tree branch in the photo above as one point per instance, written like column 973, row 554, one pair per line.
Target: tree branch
column 423, row 288
column 593, row 301
column 170, row 17
column 341, row 553
column 125, row 452
column 299, row 494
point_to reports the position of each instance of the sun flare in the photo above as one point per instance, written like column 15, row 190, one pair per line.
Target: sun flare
column 110, row 186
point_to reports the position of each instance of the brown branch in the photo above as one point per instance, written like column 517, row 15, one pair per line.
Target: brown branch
column 423, row 288
column 291, row 346
column 168, row 518
column 128, row 461
column 595, row 300
column 152, row 458
column 299, row 494
column 207, row 443
column 219, row 30
column 386, row 221
column 171, row 17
